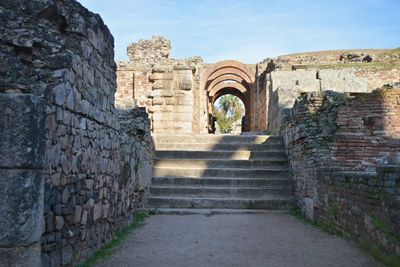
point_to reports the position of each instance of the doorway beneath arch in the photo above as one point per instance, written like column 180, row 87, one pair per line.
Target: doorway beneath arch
column 228, row 113
column 229, row 78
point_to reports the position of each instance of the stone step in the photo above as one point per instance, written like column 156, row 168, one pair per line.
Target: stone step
column 222, row 181
column 212, row 211
column 216, row 139
column 221, row 154
column 220, row 146
column 220, row 203
column 220, row 163
column 220, row 172
column 218, row 192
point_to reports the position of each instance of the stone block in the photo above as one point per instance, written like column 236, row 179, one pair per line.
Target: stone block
column 309, row 208
column 160, row 93
column 21, row 206
column 162, row 68
column 178, row 127
column 161, row 76
column 97, row 211
column 84, row 217
column 182, row 109
column 303, row 81
column 29, row 256
column 171, row 101
column 67, row 255
column 158, row 101
column 158, row 85
column 185, row 68
column 342, row 81
column 60, row 94
column 77, row 214
column 59, row 222
column 22, row 133
column 173, row 116
column 185, row 84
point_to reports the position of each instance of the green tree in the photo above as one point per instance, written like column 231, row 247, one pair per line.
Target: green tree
column 228, row 109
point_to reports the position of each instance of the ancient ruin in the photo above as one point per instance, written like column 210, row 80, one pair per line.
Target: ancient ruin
column 77, row 136
column 179, row 94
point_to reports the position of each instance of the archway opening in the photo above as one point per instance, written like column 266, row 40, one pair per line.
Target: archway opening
column 228, row 114
column 224, row 78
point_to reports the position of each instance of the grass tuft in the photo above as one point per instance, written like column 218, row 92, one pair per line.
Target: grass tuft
column 372, row 249
column 108, row 249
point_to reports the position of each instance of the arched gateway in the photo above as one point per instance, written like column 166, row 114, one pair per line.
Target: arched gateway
column 228, row 77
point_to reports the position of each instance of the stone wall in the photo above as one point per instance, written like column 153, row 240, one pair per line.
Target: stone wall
column 150, row 52
column 165, row 87
column 285, row 86
column 134, row 85
column 378, row 78
column 344, row 154
column 22, row 144
column 88, row 165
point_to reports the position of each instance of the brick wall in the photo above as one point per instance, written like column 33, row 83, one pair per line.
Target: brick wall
column 344, row 152
column 134, row 85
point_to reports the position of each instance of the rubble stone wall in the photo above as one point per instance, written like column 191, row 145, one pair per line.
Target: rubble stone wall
column 88, row 165
column 344, row 154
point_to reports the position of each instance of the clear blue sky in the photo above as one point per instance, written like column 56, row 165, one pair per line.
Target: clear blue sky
column 251, row 30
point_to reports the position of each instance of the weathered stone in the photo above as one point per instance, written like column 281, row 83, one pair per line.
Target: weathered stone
column 158, row 101
column 21, row 207
column 185, row 85
column 77, row 214
column 105, row 210
column 89, row 184
column 59, row 222
column 162, row 69
column 97, row 211
column 27, row 256
column 67, row 255
column 65, row 195
column 22, row 131
column 60, row 94
column 149, row 51
column 161, row 76
column 342, row 81
column 84, row 217
column 70, row 100
column 158, row 84
column 309, row 208
column 339, row 154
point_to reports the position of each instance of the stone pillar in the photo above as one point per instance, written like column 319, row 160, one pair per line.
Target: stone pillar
column 184, row 108
column 21, row 179
column 172, row 99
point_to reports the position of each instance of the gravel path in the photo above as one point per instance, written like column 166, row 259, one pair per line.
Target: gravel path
column 269, row 239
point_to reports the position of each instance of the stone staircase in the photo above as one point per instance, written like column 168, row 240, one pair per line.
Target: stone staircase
column 220, row 172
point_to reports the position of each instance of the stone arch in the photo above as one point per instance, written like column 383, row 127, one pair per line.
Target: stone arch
column 229, row 64
column 229, row 77
column 239, row 87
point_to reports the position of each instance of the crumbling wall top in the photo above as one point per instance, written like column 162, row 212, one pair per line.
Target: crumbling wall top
column 150, row 51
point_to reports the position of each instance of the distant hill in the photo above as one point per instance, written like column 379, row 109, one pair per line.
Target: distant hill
column 380, row 59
